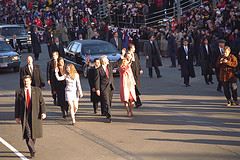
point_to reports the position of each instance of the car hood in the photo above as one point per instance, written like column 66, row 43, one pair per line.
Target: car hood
column 111, row 56
column 8, row 53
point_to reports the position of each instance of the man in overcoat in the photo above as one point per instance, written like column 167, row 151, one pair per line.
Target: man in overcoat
column 34, row 71
column 30, row 110
column 171, row 48
column 117, row 41
column 153, row 57
column 216, row 53
column 185, row 61
column 36, row 42
column 92, row 81
column 57, row 46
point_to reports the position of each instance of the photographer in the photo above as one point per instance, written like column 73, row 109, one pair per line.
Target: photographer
column 227, row 62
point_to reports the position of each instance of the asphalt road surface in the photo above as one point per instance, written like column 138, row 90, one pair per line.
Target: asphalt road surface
column 174, row 123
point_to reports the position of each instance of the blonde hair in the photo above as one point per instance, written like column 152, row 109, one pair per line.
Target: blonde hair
column 72, row 71
column 227, row 48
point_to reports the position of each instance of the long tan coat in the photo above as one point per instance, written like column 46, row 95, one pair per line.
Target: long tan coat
column 227, row 69
column 38, row 107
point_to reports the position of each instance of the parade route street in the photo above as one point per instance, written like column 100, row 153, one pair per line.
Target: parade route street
column 174, row 123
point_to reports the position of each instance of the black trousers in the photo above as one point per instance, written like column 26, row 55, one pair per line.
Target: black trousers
column 233, row 86
column 173, row 60
column 28, row 134
column 36, row 55
column 50, row 51
column 186, row 80
column 208, row 78
column 138, row 102
column 218, row 79
column 106, row 98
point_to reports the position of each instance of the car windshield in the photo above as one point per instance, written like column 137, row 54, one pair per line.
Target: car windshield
column 9, row 31
column 92, row 49
column 4, row 46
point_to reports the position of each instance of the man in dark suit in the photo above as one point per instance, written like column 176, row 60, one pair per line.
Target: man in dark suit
column 49, row 40
column 185, row 61
column 36, row 42
column 96, row 36
column 16, row 44
column 117, row 42
column 153, row 57
column 171, row 48
column 34, row 71
column 92, row 80
column 58, row 47
column 51, row 78
column 216, row 53
column 30, row 110
column 105, row 85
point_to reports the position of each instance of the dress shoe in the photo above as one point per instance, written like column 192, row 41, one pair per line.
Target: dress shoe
column 229, row 103
column 74, row 124
column 207, row 83
column 159, row 76
column 32, row 155
column 109, row 120
column 236, row 102
column 219, row 90
column 55, row 102
column 95, row 112
column 187, row 85
column 211, row 82
column 138, row 105
column 151, row 77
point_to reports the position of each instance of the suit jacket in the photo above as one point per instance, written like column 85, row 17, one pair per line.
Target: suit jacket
column 37, row 78
column 216, row 54
column 98, row 38
column 102, row 81
column 38, row 107
column 49, row 38
column 36, row 42
column 187, row 68
column 18, row 45
column 58, row 49
column 148, row 51
column 120, row 43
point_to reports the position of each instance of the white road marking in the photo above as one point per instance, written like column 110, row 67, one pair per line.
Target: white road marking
column 20, row 155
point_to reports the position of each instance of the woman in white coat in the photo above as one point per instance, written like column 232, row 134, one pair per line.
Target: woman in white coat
column 73, row 88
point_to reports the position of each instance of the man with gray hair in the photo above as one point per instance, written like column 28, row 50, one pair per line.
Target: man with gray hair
column 105, row 84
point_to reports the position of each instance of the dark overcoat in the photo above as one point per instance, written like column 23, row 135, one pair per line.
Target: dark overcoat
column 60, row 88
column 38, row 107
column 120, row 43
column 206, row 60
column 187, row 69
column 37, row 78
column 136, row 67
column 147, row 49
column 36, row 41
column 171, row 46
column 92, row 80
column 51, row 75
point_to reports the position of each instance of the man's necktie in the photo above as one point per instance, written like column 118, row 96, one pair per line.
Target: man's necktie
column 31, row 70
column 107, row 72
column 28, row 101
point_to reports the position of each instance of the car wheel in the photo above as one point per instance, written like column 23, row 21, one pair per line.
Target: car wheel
column 29, row 49
column 85, row 70
column 16, row 69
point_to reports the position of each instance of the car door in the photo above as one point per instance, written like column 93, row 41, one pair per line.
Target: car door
column 68, row 50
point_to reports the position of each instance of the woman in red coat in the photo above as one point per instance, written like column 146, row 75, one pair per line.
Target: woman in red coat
column 127, row 86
